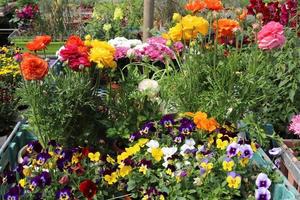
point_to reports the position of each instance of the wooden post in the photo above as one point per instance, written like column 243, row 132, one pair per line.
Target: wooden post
column 148, row 18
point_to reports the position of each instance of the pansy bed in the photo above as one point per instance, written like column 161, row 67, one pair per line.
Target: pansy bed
column 185, row 156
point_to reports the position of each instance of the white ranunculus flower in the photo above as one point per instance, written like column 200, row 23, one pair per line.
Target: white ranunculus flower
column 152, row 144
column 149, row 86
column 135, row 42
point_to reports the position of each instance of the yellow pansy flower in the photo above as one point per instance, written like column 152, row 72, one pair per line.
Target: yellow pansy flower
column 228, row 165
column 95, row 157
column 142, row 142
column 157, row 154
column 110, row 160
column 234, row 182
column 125, row 170
column 111, row 179
column 143, row 169
column 22, row 182
column 206, row 166
column 222, row 144
column 244, row 161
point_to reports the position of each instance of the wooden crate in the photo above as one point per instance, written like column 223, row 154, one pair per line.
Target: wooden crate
column 290, row 165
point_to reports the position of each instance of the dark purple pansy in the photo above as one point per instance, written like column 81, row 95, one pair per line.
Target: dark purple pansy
column 179, row 138
column 9, row 177
column 152, row 191
column 64, row 194
column 183, row 173
column 42, row 158
column 147, row 128
column 135, row 136
column 14, row 193
column 168, row 121
column 34, row 182
column 171, row 167
column 45, row 179
column 129, row 162
column 145, row 162
column 186, row 127
column 33, row 146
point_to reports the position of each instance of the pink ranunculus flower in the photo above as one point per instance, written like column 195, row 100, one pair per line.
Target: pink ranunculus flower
column 271, row 36
column 295, row 125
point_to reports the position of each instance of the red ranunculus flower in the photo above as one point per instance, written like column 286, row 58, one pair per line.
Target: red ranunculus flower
column 88, row 188
column 77, row 57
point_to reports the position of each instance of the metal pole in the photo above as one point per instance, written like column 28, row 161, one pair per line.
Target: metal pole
column 148, row 18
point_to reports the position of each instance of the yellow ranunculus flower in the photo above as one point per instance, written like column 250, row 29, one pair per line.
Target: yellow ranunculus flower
column 102, row 57
column 228, row 166
column 176, row 17
column 118, row 14
column 95, row 157
column 188, row 28
column 234, row 182
column 157, row 154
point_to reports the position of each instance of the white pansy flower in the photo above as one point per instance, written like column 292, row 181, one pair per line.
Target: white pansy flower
column 169, row 152
column 152, row 144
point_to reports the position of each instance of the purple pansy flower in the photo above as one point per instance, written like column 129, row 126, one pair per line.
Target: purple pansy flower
column 262, row 180
column 187, row 126
column 13, row 193
column 9, row 177
column 167, row 121
column 145, row 162
column 148, row 127
column 42, row 158
column 135, row 136
column 34, row 182
column 34, row 146
column 64, row 194
column 179, row 138
column 45, row 179
column 262, row 194
column 246, row 151
column 232, row 149
column 233, row 174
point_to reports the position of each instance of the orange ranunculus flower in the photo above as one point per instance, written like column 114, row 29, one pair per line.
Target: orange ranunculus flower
column 33, row 67
column 75, row 40
column 202, row 122
column 39, row 43
column 214, row 4
column 225, row 27
column 195, row 5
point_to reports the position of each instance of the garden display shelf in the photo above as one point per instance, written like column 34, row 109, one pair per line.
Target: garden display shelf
column 290, row 165
column 16, row 38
